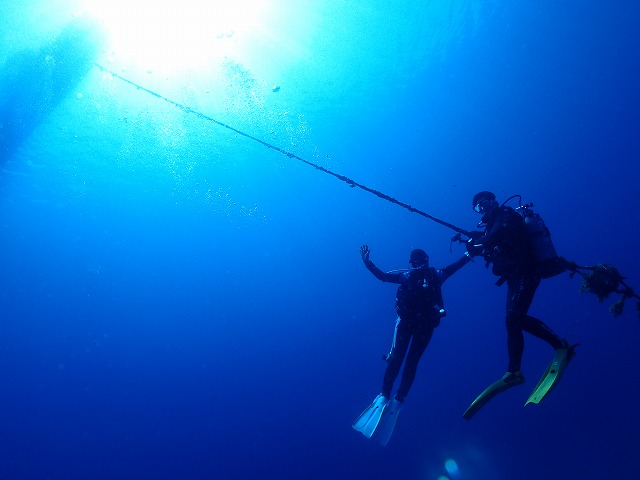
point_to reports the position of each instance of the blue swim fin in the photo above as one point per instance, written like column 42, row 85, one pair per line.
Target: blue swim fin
column 368, row 420
column 387, row 423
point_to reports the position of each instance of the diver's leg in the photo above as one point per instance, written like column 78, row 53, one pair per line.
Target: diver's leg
column 418, row 345
column 537, row 328
column 521, row 289
column 394, row 359
column 541, row 330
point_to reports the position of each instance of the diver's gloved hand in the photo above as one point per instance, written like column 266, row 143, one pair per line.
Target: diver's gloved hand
column 364, row 253
column 474, row 247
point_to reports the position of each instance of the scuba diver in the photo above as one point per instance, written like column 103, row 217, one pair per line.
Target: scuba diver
column 419, row 307
column 521, row 259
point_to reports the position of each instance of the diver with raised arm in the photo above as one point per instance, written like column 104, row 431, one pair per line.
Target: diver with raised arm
column 419, row 308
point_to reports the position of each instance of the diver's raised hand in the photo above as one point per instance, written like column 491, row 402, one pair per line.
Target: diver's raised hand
column 364, row 253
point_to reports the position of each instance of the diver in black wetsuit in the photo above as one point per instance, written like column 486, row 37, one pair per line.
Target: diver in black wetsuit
column 505, row 245
column 419, row 306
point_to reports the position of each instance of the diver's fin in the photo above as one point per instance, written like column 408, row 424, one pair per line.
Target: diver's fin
column 387, row 424
column 508, row 380
column 368, row 420
column 553, row 374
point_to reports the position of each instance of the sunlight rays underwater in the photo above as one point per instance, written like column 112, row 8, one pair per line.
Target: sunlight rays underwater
column 145, row 41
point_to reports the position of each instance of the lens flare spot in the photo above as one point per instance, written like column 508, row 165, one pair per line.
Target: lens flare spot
column 451, row 466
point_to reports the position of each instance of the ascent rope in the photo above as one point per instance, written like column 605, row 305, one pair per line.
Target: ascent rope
column 603, row 280
column 342, row 178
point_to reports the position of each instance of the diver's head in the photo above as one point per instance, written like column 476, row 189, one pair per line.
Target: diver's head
column 483, row 202
column 418, row 258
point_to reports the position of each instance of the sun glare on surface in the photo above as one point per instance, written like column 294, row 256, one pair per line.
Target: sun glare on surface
column 170, row 35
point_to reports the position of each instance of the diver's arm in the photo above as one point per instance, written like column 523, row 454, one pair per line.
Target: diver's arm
column 506, row 221
column 494, row 231
column 379, row 274
column 449, row 270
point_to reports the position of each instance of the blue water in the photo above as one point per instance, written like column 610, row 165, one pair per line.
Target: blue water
column 180, row 301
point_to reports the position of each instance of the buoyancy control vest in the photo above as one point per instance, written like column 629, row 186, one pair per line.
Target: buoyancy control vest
column 420, row 297
column 507, row 246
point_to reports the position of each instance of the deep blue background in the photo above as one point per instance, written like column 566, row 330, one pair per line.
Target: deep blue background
column 180, row 302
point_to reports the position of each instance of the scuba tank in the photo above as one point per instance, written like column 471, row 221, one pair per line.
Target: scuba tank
column 539, row 236
column 544, row 252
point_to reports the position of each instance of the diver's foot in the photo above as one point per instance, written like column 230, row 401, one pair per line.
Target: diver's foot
column 513, row 378
column 565, row 345
column 570, row 349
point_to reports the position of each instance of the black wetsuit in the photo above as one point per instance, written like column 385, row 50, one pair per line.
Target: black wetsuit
column 507, row 248
column 418, row 302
